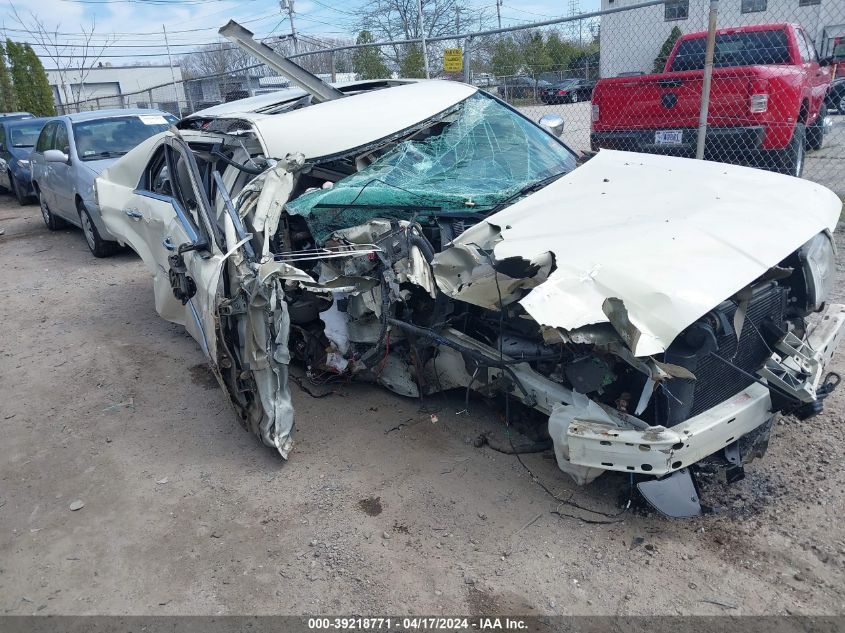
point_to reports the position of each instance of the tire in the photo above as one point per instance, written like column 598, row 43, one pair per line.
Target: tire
column 840, row 105
column 815, row 133
column 790, row 160
column 22, row 199
column 573, row 98
column 53, row 223
column 98, row 246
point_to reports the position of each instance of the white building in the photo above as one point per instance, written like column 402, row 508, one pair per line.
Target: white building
column 117, row 87
column 630, row 40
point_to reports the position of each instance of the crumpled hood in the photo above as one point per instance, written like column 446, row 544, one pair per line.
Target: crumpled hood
column 670, row 238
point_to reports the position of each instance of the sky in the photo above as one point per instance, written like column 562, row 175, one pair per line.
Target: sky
column 134, row 27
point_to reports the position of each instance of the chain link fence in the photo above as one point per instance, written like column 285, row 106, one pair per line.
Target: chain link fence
column 637, row 76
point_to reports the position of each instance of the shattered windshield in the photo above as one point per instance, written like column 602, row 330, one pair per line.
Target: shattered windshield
column 481, row 154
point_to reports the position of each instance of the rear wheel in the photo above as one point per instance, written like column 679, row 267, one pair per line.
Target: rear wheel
column 574, row 98
column 53, row 223
column 815, row 133
column 98, row 246
column 790, row 159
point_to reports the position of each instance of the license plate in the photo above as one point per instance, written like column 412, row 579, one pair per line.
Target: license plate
column 669, row 137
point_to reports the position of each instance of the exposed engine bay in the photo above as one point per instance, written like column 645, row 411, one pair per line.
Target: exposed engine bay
column 359, row 265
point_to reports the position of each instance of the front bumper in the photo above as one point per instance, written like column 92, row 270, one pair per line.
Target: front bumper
column 719, row 139
column 659, row 451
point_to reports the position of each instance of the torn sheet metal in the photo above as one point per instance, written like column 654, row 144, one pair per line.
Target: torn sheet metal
column 618, row 231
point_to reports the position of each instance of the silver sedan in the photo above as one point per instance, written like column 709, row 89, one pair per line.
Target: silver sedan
column 70, row 153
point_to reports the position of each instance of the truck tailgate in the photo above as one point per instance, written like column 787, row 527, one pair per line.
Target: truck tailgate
column 673, row 100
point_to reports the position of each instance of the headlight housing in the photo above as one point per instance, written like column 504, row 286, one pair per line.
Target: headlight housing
column 818, row 260
column 23, row 164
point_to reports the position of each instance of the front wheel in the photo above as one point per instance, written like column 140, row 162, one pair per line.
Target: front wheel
column 53, row 223
column 98, row 246
column 16, row 191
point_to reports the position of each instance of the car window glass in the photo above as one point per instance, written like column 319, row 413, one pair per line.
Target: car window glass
column 750, row 48
column 812, row 55
column 24, row 134
column 61, row 142
column 802, row 47
column 45, row 139
column 182, row 188
column 2, row 135
column 115, row 136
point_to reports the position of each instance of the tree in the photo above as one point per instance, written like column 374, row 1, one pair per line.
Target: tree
column 72, row 61
column 668, row 45
column 535, row 57
column 506, row 58
column 42, row 94
column 367, row 62
column 8, row 101
column 20, row 76
column 399, row 20
column 412, row 63
column 560, row 52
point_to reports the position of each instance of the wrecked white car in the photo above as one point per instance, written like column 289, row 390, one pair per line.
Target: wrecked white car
column 655, row 313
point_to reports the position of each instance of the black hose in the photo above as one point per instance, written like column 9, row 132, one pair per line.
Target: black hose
column 475, row 355
column 248, row 170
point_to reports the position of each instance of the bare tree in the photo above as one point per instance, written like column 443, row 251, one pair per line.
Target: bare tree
column 215, row 59
column 71, row 61
column 399, row 19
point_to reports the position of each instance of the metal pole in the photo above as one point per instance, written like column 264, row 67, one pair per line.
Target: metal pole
column 499, row 12
column 708, row 77
column 292, row 29
column 172, row 72
column 422, row 36
column 334, row 67
column 467, row 60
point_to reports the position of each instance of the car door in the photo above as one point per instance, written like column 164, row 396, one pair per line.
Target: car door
column 40, row 167
column 165, row 219
column 5, row 158
column 61, row 177
column 819, row 76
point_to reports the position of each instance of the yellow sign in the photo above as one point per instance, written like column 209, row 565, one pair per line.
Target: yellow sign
column 453, row 60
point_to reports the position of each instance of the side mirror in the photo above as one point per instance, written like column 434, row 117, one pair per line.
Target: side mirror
column 826, row 61
column 553, row 123
column 55, row 156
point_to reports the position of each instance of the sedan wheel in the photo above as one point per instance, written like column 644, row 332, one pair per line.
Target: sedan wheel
column 98, row 246
column 574, row 97
column 53, row 223
column 841, row 105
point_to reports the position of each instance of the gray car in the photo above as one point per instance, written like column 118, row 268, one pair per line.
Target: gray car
column 70, row 153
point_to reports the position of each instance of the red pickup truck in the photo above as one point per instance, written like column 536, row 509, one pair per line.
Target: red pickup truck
column 766, row 100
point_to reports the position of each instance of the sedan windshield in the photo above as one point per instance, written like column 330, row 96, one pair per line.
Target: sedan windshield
column 476, row 157
column 107, row 138
column 24, row 134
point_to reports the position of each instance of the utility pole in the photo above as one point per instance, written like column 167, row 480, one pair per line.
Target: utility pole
column 287, row 5
column 422, row 36
column 172, row 72
column 499, row 12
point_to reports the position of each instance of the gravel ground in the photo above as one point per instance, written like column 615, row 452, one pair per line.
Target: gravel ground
column 382, row 508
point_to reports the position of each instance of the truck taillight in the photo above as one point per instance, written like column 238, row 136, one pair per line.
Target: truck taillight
column 759, row 103
column 595, row 113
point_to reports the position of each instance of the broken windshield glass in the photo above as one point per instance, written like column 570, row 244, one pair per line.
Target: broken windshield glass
column 482, row 154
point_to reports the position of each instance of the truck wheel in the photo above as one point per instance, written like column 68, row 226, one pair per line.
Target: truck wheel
column 815, row 133
column 790, row 160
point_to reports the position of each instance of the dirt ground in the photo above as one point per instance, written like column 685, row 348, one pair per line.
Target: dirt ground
column 381, row 508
